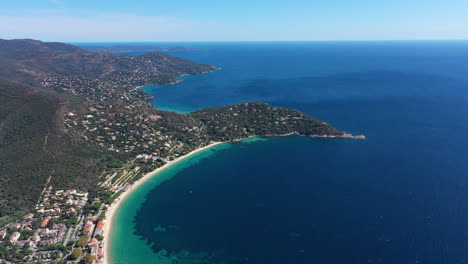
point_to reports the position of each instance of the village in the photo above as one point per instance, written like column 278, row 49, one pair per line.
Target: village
column 135, row 133
column 65, row 227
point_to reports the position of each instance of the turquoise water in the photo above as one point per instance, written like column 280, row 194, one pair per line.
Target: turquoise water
column 401, row 196
column 126, row 247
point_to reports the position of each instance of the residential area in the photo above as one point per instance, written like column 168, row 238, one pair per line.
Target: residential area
column 66, row 226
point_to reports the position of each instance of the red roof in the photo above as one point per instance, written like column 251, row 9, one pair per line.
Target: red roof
column 45, row 221
column 100, row 224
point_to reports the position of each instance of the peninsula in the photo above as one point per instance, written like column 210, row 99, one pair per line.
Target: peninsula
column 78, row 121
column 129, row 49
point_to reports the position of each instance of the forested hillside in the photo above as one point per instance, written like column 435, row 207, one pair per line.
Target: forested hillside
column 34, row 148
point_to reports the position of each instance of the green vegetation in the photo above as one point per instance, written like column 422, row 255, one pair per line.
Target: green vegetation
column 88, row 259
column 52, row 247
column 244, row 120
column 34, row 148
column 71, row 119
column 76, row 253
column 39, row 83
column 13, row 253
column 82, row 242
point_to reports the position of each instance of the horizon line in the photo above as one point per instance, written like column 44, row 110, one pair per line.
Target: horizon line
column 231, row 41
column 205, row 41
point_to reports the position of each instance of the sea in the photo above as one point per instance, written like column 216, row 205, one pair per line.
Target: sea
column 398, row 197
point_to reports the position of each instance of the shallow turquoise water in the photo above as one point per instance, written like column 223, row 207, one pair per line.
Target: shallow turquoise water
column 126, row 247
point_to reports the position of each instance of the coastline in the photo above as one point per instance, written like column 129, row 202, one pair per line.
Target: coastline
column 112, row 209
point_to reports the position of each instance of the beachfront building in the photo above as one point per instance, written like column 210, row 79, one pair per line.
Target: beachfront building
column 93, row 242
column 94, row 250
column 99, row 229
column 89, row 228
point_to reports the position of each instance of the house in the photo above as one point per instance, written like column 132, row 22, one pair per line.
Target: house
column 93, row 242
column 3, row 234
column 15, row 226
column 26, row 226
column 14, row 237
column 23, row 243
column 99, row 228
column 89, row 228
column 45, row 221
column 35, row 238
column 28, row 216
column 94, row 249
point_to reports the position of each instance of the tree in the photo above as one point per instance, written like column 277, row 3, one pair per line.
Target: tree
column 76, row 253
column 51, row 224
column 88, row 259
column 82, row 242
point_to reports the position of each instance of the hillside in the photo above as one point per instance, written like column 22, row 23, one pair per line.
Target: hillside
column 128, row 48
column 32, row 61
column 227, row 123
column 34, row 148
column 34, row 144
column 76, row 116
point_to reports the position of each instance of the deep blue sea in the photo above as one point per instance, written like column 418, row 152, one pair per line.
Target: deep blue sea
column 401, row 196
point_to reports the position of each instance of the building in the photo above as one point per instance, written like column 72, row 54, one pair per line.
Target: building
column 3, row 234
column 35, row 238
column 93, row 242
column 94, row 249
column 28, row 216
column 14, row 237
column 45, row 221
column 14, row 226
column 23, row 243
column 26, row 226
column 100, row 253
column 99, row 229
column 89, row 228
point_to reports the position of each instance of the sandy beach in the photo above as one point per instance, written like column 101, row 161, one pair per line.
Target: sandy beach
column 114, row 206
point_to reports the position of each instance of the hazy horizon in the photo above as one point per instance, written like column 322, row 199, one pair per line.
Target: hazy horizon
column 243, row 41
column 242, row 20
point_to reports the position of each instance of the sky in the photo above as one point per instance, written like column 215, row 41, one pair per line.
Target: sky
column 233, row 20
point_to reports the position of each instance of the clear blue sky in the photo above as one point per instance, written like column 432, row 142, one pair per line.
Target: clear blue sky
column 233, row 20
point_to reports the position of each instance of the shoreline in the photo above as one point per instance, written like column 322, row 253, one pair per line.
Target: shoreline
column 112, row 209
column 179, row 80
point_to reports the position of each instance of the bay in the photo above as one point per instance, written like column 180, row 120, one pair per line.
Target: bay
column 401, row 196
